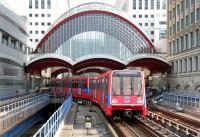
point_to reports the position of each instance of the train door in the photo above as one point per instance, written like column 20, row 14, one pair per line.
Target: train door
column 102, row 90
column 105, row 89
column 69, row 84
column 95, row 88
column 79, row 86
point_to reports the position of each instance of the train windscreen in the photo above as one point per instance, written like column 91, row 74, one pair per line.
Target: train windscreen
column 126, row 84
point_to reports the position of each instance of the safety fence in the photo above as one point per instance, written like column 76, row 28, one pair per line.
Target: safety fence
column 184, row 98
column 50, row 128
column 14, row 107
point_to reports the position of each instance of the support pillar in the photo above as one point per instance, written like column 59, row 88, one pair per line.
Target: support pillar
column 1, row 36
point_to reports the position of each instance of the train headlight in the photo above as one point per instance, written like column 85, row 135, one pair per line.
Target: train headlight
column 139, row 101
column 114, row 101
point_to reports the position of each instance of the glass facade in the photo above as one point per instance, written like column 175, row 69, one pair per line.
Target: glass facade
column 94, row 33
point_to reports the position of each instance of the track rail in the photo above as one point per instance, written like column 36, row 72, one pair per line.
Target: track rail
column 132, row 128
column 178, row 125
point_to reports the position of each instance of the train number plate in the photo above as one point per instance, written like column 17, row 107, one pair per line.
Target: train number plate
column 127, row 99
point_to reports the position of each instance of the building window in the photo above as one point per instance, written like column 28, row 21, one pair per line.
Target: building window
column 178, row 26
column 140, row 24
column 174, row 47
column 30, row 32
column 134, row 4
column 31, row 40
column 30, row 15
column 146, row 4
column 187, row 3
column 152, row 40
column 140, row 4
column 186, row 42
column 174, row 28
column 152, row 32
column 49, row 24
column 170, row 15
column 182, row 23
column 42, row 23
column 36, row 15
column 190, row 65
column 181, row 44
column 152, row 24
column 177, row 45
column 36, row 4
column 187, row 20
column 152, row 16
column 42, row 4
column 192, row 2
column 173, row 67
column 36, row 32
column 162, row 34
column 182, row 6
column 146, row 16
column 191, row 39
column 140, row 16
column 48, row 4
column 174, row 13
column 164, row 4
column 185, row 65
column 30, row 4
column 162, row 22
column 152, row 4
column 197, row 14
column 176, row 67
column 196, row 63
column 36, row 23
column 36, row 40
column 197, row 38
column 134, row 16
column 42, row 32
column 30, row 23
column 158, row 4
column 146, row 24
column 42, row 15
column 192, row 18
column 178, row 9
column 48, row 15
column 180, row 66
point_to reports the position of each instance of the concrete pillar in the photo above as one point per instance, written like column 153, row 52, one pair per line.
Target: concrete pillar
column 9, row 41
column 1, row 35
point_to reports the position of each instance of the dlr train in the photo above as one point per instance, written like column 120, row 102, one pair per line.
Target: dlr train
column 116, row 92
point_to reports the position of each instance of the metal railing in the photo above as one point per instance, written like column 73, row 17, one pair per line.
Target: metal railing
column 173, row 123
column 184, row 98
column 16, row 106
column 50, row 128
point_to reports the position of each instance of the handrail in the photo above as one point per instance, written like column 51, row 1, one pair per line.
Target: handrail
column 51, row 126
column 22, row 103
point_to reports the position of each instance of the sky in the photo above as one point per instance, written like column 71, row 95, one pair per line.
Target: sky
column 19, row 7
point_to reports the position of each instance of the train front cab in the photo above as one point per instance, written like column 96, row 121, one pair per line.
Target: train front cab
column 128, row 92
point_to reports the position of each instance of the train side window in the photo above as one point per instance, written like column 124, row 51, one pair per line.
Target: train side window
column 115, row 86
column 137, row 86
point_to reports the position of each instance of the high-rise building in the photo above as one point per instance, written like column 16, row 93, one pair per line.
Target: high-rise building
column 184, row 44
column 41, row 14
column 151, row 15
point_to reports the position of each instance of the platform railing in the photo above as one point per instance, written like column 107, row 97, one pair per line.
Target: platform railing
column 50, row 128
column 16, row 106
column 185, row 99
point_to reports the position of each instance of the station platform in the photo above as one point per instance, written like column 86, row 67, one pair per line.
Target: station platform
column 74, row 123
column 188, row 112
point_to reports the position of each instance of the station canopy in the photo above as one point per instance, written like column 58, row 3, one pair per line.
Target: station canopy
column 95, row 29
